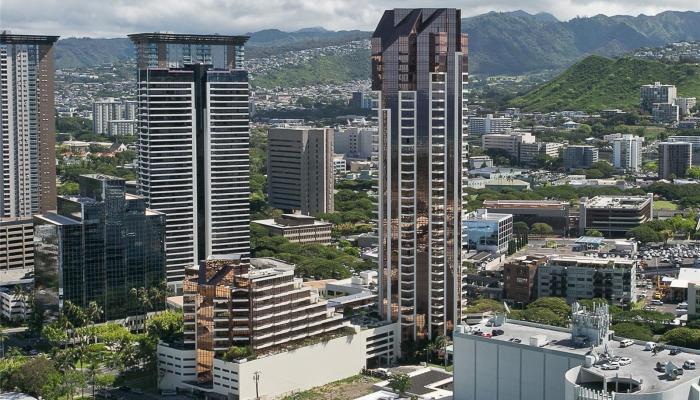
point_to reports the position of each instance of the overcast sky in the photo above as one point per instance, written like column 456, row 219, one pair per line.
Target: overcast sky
column 112, row 18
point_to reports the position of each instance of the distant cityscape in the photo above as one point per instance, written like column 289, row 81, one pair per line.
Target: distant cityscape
column 192, row 224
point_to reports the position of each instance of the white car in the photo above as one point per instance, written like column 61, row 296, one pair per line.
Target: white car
column 624, row 361
column 610, row 366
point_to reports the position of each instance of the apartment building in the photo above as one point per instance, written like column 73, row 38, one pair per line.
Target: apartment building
column 627, row 153
column 298, row 228
column 520, row 278
column 106, row 111
column 479, row 126
column 580, row 156
column 693, row 140
column 354, row 142
column 509, row 142
column 686, row 104
column 674, row 159
column 300, row 169
column 649, row 95
column 666, row 113
column 530, row 152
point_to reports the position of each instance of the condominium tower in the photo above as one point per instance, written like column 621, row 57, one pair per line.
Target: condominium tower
column 300, row 169
column 27, row 147
column 419, row 73
column 627, row 153
column 193, row 143
column 674, row 159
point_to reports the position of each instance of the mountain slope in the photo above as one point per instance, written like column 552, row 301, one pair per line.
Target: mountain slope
column 597, row 83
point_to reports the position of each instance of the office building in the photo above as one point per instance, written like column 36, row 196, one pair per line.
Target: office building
column 552, row 212
column 577, row 278
column 98, row 246
column 16, row 245
column 479, row 126
column 507, row 142
column 693, row 140
column 361, row 100
column 193, row 143
column 354, row 142
column 538, row 362
column 580, row 156
column 665, row 113
column 487, row 231
column 520, row 278
column 106, row 110
column 476, row 162
column 655, row 94
column 627, row 153
column 614, row 216
column 298, row 228
column 419, row 75
column 300, row 169
column 123, row 127
column 262, row 305
column 674, row 159
column 685, row 105
column 531, row 153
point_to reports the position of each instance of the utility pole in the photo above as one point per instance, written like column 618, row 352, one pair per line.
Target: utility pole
column 256, row 378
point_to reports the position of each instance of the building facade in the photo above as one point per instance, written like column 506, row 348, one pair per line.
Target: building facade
column 479, row 126
column 356, row 143
column 650, row 95
column 298, row 228
column 614, row 216
column 552, row 212
column 520, row 278
column 674, row 159
column 577, row 278
column 98, row 247
column 580, row 156
column 686, row 104
column 193, row 143
column 507, row 142
column 300, row 169
column 627, row 152
column 419, row 76
column 108, row 110
column 487, row 231
column 531, row 152
column 666, row 113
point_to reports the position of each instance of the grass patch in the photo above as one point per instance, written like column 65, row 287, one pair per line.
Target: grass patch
column 346, row 389
column 665, row 205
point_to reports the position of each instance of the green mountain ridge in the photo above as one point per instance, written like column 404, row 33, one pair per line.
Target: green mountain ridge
column 596, row 83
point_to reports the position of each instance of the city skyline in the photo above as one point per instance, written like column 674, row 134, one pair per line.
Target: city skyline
column 79, row 18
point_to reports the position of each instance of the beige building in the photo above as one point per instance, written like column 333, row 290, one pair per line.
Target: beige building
column 16, row 244
column 300, row 169
column 298, row 228
column 509, row 142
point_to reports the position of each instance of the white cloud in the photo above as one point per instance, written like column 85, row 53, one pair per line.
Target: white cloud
column 110, row 18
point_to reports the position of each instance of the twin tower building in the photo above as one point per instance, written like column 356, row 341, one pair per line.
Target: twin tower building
column 193, row 153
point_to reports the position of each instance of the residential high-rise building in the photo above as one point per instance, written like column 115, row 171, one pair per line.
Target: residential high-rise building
column 530, row 153
column 654, row 94
column 580, row 156
column 485, row 125
column 419, row 75
column 686, row 104
column 300, row 169
column 193, row 143
column 27, row 148
column 627, row 152
column 665, row 113
column 693, row 140
column 97, row 247
column 354, row 142
column 674, row 159
column 27, row 126
column 109, row 110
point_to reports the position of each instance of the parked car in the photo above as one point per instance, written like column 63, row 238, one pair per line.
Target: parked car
column 657, row 302
column 497, row 332
column 689, row 364
column 514, row 340
column 675, row 351
column 649, row 346
column 626, row 342
column 610, row 366
column 624, row 361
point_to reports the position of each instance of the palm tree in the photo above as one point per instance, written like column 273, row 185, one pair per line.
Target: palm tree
column 94, row 313
column 441, row 342
column 429, row 349
column 92, row 368
column 144, row 298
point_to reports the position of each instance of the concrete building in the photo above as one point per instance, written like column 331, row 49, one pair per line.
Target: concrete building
column 627, row 153
column 614, row 216
column 354, row 142
column 298, row 228
column 16, row 244
column 674, row 159
column 487, row 231
column 577, row 278
column 97, row 247
column 108, row 110
column 685, row 104
column 530, row 152
column 419, row 71
column 665, row 113
column 538, row 362
column 650, row 95
column 509, row 142
column 552, row 212
column 193, row 158
column 580, row 156
column 476, row 162
column 479, row 126
column 123, row 127
column 520, row 278
column 300, row 169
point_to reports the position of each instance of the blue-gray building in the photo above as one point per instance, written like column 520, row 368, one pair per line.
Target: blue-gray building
column 482, row 230
column 98, row 246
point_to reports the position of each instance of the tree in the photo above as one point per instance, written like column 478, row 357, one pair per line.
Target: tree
column 684, row 337
column 594, row 233
column 541, row 229
column 38, row 377
column 521, row 228
column 557, row 305
column 167, row 326
column 400, row 383
column 644, row 234
column 441, row 342
column 633, row 331
column 693, row 172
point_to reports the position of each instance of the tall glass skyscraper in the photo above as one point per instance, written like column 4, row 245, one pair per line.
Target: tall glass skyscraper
column 193, row 144
column 419, row 73
column 97, row 247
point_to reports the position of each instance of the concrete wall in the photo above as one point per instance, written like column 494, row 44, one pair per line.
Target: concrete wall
column 175, row 366
column 490, row 369
column 293, row 371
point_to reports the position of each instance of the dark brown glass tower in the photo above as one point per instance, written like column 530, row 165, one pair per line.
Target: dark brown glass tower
column 419, row 69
